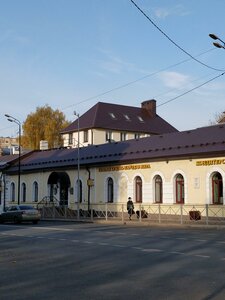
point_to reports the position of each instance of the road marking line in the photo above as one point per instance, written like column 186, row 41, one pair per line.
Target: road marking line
column 88, row 242
column 203, row 256
column 137, row 248
column 103, row 244
column 53, row 228
column 201, row 241
column 152, row 250
column 183, row 239
column 75, row 241
column 177, row 252
column 119, row 246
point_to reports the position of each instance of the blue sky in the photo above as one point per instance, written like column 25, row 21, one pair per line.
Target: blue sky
column 70, row 53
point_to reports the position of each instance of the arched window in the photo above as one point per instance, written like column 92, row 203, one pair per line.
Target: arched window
column 110, row 190
column 79, row 190
column 12, row 191
column 24, row 192
column 179, row 186
column 138, row 189
column 217, row 188
column 35, row 191
column 158, row 189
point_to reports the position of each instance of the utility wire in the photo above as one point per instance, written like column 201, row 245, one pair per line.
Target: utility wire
column 136, row 80
column 179, row 47
column 191, row 90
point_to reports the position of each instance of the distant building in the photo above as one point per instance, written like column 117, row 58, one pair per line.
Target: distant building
column 8, row 146
column 107, row 122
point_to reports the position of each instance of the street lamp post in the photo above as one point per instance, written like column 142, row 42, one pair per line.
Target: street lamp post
column 218, row 45
column 14, row 120
column 78, row 157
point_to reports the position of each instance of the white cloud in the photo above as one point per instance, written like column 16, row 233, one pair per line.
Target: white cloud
column 11, row 36
column 174, row 79
column 163, row 12
column 114, row 64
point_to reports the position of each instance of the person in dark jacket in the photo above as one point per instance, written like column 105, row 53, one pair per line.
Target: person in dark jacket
column 130, row 207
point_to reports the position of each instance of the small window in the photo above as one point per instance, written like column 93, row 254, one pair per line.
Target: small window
column 123, row 136
column 110, row 190
column 112, row 116
column 127, row 117
column 108, row 136
column 137, row 136
column 35, row 191
column 85, row 136
column 24, row 192
column 12, row 191
column 70, row 138
column 140, row 119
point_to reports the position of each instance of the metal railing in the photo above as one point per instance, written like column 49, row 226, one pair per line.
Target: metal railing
column 152, row 213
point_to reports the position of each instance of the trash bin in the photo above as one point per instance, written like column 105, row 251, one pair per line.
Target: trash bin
column 195, row 215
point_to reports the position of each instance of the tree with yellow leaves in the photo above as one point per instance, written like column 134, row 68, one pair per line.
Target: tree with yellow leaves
column 44, row 124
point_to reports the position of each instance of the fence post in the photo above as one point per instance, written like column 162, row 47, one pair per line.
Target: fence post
column 159, row 213
column 65, row 212
column 78, row 211
column 140, row 209
column 91, row 214
column 181, row 214
column 207, row 214
column 106, row 211
column 122, row 214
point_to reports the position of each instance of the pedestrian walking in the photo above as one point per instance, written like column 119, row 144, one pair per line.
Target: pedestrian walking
column 130, row 207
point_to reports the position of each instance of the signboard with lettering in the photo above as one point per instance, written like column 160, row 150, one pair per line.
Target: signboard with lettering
column 211, row 162
column 124, row 168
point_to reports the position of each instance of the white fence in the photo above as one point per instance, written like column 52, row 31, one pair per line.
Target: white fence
column 154, row 213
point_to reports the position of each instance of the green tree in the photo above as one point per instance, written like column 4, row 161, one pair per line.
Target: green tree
column 44, row 124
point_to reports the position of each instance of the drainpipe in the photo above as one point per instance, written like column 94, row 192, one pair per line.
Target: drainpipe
column 2, row 184
column 89, row 188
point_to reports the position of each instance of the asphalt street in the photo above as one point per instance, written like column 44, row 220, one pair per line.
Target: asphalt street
column 57, row 260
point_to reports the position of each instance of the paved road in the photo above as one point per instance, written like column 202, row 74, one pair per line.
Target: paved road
column 96, row 261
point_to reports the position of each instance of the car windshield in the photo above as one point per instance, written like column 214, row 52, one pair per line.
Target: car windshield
column 25, row 207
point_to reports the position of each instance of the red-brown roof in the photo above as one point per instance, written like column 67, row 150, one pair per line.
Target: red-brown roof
column 122, row 118
column 201, row 142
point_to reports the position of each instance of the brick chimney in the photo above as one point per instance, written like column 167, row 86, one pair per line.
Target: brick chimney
column 150, row 106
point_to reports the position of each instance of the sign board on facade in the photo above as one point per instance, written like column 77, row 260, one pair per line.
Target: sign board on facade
column 124, row 168
column 210, row 162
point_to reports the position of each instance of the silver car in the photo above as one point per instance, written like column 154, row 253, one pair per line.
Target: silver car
column 20, row 213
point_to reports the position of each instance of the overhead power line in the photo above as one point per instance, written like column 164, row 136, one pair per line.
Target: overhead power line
column 172, row 41
column 187, row 92
column 136, row 80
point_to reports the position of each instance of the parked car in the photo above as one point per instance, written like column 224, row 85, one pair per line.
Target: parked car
column 20, row 213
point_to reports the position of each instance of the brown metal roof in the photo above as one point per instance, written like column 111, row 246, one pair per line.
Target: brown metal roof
column 122, row 118
column 201, row 142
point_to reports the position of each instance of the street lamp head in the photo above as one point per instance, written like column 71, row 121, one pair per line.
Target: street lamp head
column 76, row 114
column 213, row 36
column 7, row 116
column 218, row 45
